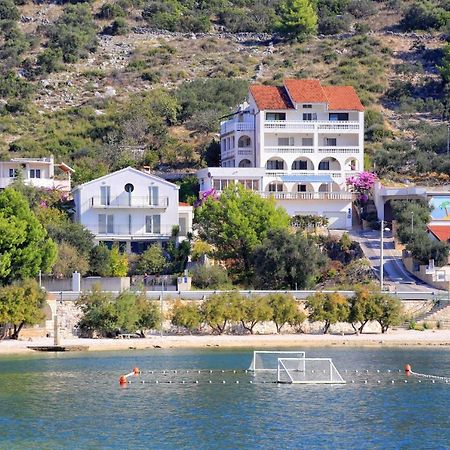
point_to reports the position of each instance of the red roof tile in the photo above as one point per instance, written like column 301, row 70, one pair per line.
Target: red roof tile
column 305, row 91
column 183, row 204
column 338, row 98
column 342, row 98
column 442, row 232
column 270, row 97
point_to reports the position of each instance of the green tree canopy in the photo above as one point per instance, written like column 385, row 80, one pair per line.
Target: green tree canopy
column 152, row 261
column 25, row 247
column 21, row 304
column 298, row 17
column 284, row 310
column 362, row 308
column 186, row 315
column 254, row 310
column 389, row 311
column 219, row 310
column 327, row 307
column 286, row 260
column 236, row 223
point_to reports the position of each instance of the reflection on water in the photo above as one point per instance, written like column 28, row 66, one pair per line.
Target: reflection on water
column 74, row 401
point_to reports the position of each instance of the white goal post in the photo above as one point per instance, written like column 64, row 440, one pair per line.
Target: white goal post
column 264, row 360
column 308, row 371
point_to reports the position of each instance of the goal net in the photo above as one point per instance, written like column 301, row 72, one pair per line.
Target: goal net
column 268, row 359
column 307, row 371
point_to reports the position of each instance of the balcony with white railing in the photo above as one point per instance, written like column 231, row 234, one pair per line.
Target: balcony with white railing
column 349, row 150
column 290, row 149
column 279, row 173
column 343, row 195
column 312, row 126
column 115, row 231
column 129, row 202
column 232, row 125
column 245, row 151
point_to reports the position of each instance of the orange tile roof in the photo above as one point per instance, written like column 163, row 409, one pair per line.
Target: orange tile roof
column 442, row 232
column 342, row 98
column 305, row 91
column 270, row 97
column 338, row 98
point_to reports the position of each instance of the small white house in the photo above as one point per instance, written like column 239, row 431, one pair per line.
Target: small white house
column 132, row 208
column 37, row 172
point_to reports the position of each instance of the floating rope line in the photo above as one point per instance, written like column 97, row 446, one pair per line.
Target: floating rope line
column 433, row 377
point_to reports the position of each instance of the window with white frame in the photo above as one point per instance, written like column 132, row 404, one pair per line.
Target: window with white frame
column 300, row 165
column 307, row 142
column 301, row 187
column 286, row 141
column 307, row 106
column 153, row 224
column 275, row 164
column 275, row 116
column 153, row 195
column 35, row 173
column 106, row 224
column 276, row 187
column 324, row 165
column 330, row 142
column 105, row 195
column 244, row 141
column 309, row 116
column 13, row 173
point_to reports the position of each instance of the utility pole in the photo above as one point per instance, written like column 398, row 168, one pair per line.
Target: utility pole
column 381, row 255
column 412, row 221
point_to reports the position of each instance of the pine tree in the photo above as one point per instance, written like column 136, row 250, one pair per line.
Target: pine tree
column 298, row 18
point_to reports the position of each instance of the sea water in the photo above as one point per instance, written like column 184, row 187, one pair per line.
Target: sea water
column 73, row 400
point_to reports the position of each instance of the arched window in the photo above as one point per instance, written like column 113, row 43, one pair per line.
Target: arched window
column 244, row 141
column 245, row 163
column 275, row 164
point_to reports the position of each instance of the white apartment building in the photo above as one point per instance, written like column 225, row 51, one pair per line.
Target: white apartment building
column 298, row 142
column 131, row 208
column 37, row 172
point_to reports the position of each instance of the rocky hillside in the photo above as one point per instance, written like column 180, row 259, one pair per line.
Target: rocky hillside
column 99, row 85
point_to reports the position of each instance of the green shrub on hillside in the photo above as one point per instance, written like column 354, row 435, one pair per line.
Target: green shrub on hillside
column 74, row 32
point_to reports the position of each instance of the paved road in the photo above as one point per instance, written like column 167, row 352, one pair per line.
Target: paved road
column 394, row 270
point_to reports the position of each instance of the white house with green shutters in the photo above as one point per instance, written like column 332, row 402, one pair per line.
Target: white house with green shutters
column 131, row 208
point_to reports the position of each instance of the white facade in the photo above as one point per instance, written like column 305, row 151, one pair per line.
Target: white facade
column 299, row 143
column 131, row 207
column 37, row 172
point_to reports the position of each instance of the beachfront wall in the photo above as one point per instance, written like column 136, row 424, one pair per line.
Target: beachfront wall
column 69, row 315
column 115, row 284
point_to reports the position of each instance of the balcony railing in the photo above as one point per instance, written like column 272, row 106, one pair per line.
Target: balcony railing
column 245, row 152
column 125, row 230
column 279, row 173
column 231, row 125
column 130, row 202
column 340, row 150
column 309, row 195
column 309, row 125
column 296, row 150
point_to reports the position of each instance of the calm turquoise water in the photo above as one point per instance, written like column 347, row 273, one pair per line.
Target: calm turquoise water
column 74, row 401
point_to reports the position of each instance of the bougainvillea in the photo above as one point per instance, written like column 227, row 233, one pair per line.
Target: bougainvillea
column 362, row 184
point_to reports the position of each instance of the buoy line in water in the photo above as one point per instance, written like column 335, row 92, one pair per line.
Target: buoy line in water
column 235, row 382
column 357, row 376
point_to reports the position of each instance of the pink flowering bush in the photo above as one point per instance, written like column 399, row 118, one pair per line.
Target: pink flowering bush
column 362, row 185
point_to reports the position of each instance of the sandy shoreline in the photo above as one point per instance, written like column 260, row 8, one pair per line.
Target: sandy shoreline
column 398, row 338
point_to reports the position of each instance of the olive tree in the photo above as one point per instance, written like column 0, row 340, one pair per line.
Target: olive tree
column 327, row 307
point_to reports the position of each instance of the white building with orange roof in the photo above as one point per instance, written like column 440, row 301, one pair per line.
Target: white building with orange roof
column 298, row 142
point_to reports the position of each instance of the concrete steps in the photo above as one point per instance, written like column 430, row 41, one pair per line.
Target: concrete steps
column 439, row 313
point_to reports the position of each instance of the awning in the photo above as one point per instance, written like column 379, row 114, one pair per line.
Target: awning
column 306, row 179
column 441, row 232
